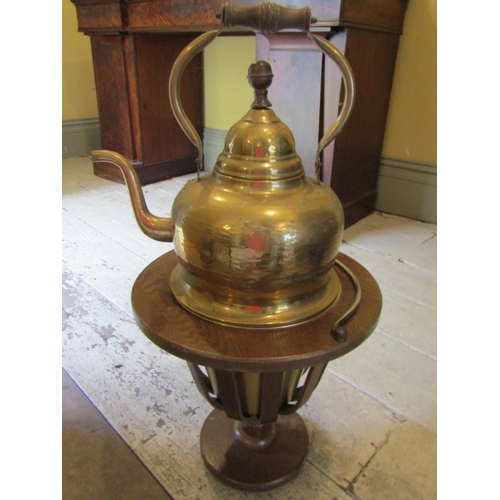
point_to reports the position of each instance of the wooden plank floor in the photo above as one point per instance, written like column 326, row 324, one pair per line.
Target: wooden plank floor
column 372, row 419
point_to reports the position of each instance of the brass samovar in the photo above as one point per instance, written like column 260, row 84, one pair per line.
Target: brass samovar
column 256, row 239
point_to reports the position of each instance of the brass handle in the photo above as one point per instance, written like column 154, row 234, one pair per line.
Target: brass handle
column 338, row 329
column 174, row 87
column 349, row 96
column 264, row 18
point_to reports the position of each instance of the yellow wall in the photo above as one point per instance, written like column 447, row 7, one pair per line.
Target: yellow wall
column 411, row 128
column 412, row 122
column 78, row 87
column 228, row 95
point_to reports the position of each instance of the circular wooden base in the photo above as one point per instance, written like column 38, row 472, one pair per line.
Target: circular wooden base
column 248, row 469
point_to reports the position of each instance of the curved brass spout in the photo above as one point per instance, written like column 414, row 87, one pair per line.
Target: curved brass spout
column 158, row 228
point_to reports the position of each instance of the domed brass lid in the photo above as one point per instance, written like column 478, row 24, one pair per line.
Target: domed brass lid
column 260, row 146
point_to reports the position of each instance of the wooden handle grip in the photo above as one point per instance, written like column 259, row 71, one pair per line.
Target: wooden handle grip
column 266, row 17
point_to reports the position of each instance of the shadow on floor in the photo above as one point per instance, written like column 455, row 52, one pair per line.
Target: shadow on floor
column 96, row 462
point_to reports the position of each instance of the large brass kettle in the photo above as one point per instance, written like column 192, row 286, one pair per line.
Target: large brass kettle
column 256, row 239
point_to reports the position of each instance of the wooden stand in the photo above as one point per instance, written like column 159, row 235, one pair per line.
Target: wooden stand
column 253, row 452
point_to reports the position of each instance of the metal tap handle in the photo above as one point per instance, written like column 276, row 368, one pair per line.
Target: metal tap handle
column 264, row 18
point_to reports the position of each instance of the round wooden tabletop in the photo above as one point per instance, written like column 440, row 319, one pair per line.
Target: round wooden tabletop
column 199, row 341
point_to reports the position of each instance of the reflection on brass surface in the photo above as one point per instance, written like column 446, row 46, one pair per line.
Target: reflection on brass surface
column 276, row 309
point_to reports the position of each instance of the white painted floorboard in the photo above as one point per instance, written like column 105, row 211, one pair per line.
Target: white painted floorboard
column 372, row 419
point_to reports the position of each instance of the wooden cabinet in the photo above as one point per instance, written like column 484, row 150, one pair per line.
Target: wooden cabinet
column 135, row 42
column 132, row 72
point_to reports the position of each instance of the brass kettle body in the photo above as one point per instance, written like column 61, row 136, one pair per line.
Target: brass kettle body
column 256, row 239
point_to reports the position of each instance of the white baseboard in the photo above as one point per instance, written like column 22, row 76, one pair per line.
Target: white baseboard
column 80, row 137
column 407, row 188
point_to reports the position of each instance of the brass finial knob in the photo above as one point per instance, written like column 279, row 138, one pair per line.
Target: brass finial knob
column 260, row 77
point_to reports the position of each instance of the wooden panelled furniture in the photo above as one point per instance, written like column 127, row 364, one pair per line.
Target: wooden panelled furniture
column 135, row 43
